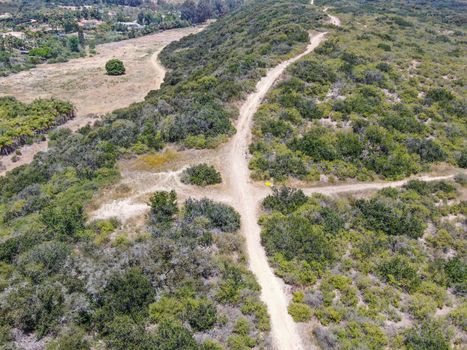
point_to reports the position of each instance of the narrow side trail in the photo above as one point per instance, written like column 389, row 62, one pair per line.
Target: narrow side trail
column 283, row 329
column 370, row 186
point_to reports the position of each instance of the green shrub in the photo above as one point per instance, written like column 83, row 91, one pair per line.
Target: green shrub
column 362, row 335
column 201, row 175
column 296, row 238
column 240, row 342
column 284, row 199
column 259, row 311
column 166, row 308
column 220, row 216
column 163, row 206
column 391, row 217
column 211, row 345
column 427, row 336
column 128, row 293
column 459, row 317
column 421, row 306
column 456, row 271
column 115, row 67
column 399, row 271
column 300, row 312
column 201, row 314
column 328, row 315
column 242, row 326
column 72, row 339
column 122, row 333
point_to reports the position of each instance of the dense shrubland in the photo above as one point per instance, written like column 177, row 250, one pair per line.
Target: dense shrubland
column 382, row 97
column 385, row 270
column 207, row 76
column 21, row 123
column 445, row 11
column 65, row 279
column 183, row 285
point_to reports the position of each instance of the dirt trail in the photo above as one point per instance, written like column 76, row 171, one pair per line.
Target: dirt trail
column 236, row 190
column 332, row 19
column 245, row 196
column 239, row 191
column 284, row 330
column 83, row 82
column 369, row 186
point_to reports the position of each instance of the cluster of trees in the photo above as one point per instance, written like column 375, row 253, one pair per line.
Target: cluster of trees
column 357, row 265
column 381, row 100
column 20, row 122
column 204, row 9
column 201, row 175
column 45, row 31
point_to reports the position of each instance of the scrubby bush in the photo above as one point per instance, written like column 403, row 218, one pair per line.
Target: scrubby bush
column 399, row 272
column 456, row 271
column 284, row 199
column 71, row 339
column 391, row 217
column 362, row 335
column 295, row 237
column 163, row 206
column 115, row 67
column 201, row 314
column 300, row 312
column 220, row 216
column 128, row 293
column 427, row 336
column 201, row 175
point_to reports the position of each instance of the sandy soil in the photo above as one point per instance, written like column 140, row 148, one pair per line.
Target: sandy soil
column 84, row 83
column 369, row 186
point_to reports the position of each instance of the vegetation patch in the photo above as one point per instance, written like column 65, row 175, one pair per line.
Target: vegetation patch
column 41, row 31
column 357, row 277
column 187, row 276
column 21, row 123
column 381, row 99
column 201, row 175
column 114, row 67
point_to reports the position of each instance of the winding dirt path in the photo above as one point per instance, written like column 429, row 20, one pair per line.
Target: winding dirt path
column 283, row 329
column 237, row 190
column 83, row 82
